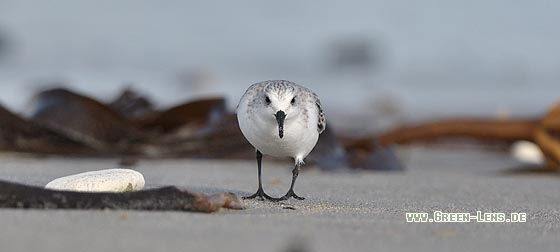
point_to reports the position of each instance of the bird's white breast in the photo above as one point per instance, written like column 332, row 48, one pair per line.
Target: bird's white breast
column 300, row 136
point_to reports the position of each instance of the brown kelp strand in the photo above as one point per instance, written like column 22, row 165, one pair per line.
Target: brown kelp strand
column 544, row 132
column 547, row 137
column 482, row 129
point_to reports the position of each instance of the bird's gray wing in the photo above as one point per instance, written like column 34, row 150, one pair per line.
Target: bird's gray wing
column 322, row 122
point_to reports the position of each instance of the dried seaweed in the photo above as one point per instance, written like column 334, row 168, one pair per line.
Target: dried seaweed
column 547, row 137
column 195, row 115
column 130, row 127
column 482, row 129
column 64, row 122
column 544, row 132
column 20, row 135
column 14, row 195
column 86, row 121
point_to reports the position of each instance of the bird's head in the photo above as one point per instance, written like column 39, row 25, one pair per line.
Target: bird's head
column 281, row 103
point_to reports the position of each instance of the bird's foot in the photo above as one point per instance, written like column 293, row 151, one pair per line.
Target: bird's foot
column 289, row 194
column 261, row 195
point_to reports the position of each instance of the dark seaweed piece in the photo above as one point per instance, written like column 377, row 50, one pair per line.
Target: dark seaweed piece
column 131, row 104
column 170, row 198
column 224, row 140
column 20, row 135
column 195, row 115
column 87, row 121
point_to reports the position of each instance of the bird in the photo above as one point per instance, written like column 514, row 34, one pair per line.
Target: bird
column 282, row 119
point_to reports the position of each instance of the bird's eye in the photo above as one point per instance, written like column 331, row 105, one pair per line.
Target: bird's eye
column 267, row 100
column 293, row 101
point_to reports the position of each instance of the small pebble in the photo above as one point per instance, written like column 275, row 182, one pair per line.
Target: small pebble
column 527, row 152
column 111, row 180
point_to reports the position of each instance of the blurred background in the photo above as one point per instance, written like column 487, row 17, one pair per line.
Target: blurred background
column 396, row 60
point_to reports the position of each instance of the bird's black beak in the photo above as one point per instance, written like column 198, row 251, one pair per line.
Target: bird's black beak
column 280, row 116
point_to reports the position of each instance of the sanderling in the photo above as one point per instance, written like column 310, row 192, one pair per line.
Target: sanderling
column 282, row 119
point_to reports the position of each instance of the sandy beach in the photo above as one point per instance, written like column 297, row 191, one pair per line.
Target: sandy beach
column 359, row 211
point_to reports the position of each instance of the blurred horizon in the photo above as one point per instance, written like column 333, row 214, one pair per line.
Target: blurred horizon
column 421, row 59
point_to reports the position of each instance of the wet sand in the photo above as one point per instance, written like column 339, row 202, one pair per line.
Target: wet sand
column 362, row 211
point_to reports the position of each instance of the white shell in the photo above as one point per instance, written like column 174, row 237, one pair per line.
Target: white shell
column 111, row 180
column 527, row 152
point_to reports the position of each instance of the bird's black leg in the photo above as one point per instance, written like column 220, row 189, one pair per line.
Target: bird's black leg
column 291, row 192
column 260, row 192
